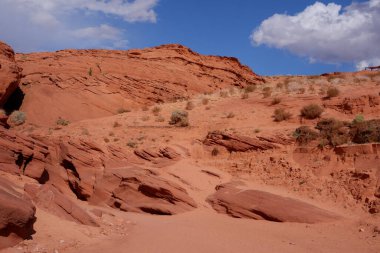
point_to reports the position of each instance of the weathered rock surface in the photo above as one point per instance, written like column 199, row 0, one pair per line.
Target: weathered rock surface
column 10, row 73
column 141, row 190
column 158, row 155
column 20, row 154
column 17, row 215
column 48, row 198
column 253, row 204
column 60, row 82
column 236, row 143
column 355, row 104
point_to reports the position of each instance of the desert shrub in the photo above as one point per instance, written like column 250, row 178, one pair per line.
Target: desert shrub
column 245, row 95
column 267, row 92
column 365, row 131
column 223, row 94
column 189, row 105
column 106, row 140
column 62, row 122
column 122, row 110
column 179, row 118
column 230, row 115
column 280, row 85
column 17, row 118
column 215, row 152
column 90, row 72
column 358, row 118
column 231, row 90
column 205, row 101
column 250, row 88
column 116, row 124
column 305, row 135
column 311, row 111
column 156, row 110
column 132, row 144
column 257, row 130
column 281, row 114
column 275, row 101
column 160, row 119
column 333, row 131
column 332, row 92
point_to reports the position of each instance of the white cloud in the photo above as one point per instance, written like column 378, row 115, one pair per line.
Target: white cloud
column 327, row 33
column 35, row 25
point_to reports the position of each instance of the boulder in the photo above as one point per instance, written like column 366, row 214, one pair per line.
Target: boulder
column 236, row 201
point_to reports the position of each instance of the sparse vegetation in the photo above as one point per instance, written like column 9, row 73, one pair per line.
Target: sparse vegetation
column 281, row 114
column 179, row 118
column 132, row 144
column 311, row 111
column 90, row 71
column 223, row 94
column 333, row 132
column 156, row 110
column 215, row 151
column 230, row 115
column 275, row 101
column 250, row 88
column 358, row 118
column 245, row 95
column 332, row 92
column 17, row 118
column 62, row 122
column 365, row 131
column 205, row 101
column 304, row 135
column 160, row 119
column 267, row 92
column 116, row 124
column 189, row 105
column 122, row 110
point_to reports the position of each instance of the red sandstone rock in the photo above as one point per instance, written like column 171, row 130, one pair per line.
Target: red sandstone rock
column 10, row 73
column 355, row 104
column 259, row 205
column 17, row 215
column 60, row 82
column 48, row 198
column 235, row 143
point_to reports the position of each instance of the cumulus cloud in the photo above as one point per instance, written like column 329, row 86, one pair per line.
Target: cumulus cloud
column 327, row 33
column 35, row 25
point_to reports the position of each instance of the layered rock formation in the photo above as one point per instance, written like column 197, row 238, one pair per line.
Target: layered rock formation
column 58, row 83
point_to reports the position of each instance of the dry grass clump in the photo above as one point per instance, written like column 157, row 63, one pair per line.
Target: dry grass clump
column 189, row 105
column 122, row 110
column 250, row 88
column 275, row 101
column 223, row 94
column 245, row 95
column 281, row 114
column 205, row 101
column 311, row 111
column 156, row 110
column 267, row 92
column 62, row 122
column 332, row 92
column 230, row 115
column 179, row 118
column 305, row 134
column 160, row 118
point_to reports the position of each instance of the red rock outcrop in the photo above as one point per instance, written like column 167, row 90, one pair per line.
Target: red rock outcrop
column 159, row 156
column 236, row 143
column 10, row 73
column 356, row 104
column 259, row 205
column 141, row 190
column 60, row 82
column 20, row 154
column 17, row 215
column 48, row 198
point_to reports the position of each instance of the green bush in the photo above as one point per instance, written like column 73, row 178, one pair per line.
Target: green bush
column 179, row 118
column 17, row 118
column 311, row 111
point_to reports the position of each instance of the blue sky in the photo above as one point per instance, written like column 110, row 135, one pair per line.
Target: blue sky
column 322, row 38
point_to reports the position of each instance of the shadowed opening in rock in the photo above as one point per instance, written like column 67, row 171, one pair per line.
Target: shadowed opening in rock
column 14, row 101
column 154, row 211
